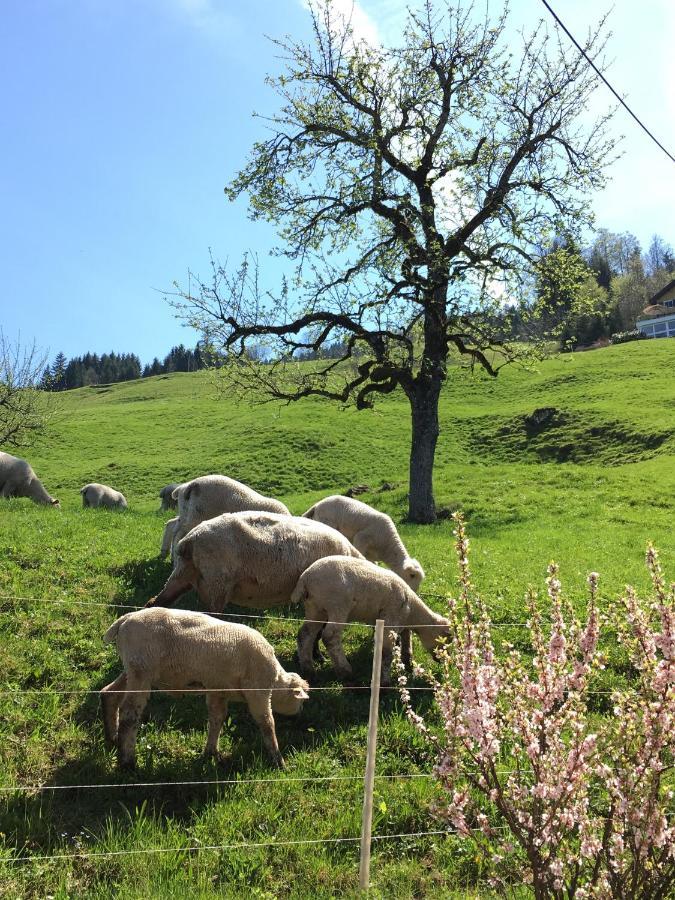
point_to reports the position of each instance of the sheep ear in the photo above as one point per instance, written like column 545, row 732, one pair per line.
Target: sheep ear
column 300, row 688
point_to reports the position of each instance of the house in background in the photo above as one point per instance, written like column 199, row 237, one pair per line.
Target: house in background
column 658, row 319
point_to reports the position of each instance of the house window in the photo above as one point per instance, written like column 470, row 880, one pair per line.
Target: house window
column 669, row 303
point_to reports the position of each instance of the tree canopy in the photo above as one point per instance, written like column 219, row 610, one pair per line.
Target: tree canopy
column 413, row 188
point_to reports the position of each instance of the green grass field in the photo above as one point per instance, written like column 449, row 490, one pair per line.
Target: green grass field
column 588, row 490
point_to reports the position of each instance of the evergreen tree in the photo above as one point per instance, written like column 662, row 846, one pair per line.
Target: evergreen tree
column 58, row 373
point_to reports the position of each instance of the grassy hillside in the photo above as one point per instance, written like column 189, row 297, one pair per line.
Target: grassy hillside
column 587, row 488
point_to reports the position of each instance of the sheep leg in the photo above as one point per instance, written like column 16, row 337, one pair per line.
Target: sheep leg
column 308, row 637
column 131, row 710
column 332, row 638
column 176, row 585
column 407, row 648
column 260, row 707
column 317, row 655
column 217, row 706
column 110, row 704
column 167, row 538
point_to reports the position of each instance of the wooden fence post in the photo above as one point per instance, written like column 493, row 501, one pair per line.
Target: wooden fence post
column 369, row 779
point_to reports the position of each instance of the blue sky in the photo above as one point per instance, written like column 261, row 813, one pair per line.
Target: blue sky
column 124, row 119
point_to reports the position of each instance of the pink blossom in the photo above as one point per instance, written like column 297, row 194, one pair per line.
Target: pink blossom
column 582, row 801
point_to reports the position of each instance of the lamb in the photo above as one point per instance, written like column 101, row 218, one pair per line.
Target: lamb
column 249, row 558
column 166, row 497
column 168, row 536
column 211, row 495
column 17, row 479
column 339, row 590
column 95, row 494
column 370, row 531
column 178, row 650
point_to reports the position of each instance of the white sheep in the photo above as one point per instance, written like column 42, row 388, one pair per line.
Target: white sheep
column 17, row 479
column 168, row 536
column 211, row 495
column 336, row 590
column 95, row 495
column 249, row 558
column 370, row 531
column 165, row 495
column 177, row 650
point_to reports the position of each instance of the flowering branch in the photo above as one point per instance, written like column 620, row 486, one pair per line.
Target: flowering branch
column 574, row 803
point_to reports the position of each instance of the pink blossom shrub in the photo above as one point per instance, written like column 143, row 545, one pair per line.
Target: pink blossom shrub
column 554, row 794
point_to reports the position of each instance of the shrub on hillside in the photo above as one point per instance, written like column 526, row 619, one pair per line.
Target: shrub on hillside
column 550, row 792
column 624, row 337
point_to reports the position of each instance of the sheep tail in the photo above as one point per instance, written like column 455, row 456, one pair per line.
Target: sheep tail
column 111, row 633
column 183, row 492
column 300, row 592
column 310, row 512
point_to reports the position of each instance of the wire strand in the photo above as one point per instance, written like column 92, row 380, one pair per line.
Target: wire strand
column 235, row 615
column 211, row 847
column 264, row 616
column 35, row 788
column 178, row 691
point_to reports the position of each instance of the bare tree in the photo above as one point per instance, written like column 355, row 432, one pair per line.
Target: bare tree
column 659, row 256
column 24, row 409
column 413, row 188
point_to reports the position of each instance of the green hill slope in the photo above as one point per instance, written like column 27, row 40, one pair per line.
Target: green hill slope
column 592, row 484
column 587, row 481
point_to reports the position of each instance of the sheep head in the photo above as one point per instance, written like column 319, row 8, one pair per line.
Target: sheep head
column 412, row 573
column 289, row 694
column 429, row 636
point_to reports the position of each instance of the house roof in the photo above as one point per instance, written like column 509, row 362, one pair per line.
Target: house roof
column 660, row 293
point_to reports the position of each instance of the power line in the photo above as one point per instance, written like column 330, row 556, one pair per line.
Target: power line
column 599, row 73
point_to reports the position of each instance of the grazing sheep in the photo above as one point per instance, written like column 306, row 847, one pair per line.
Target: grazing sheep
column 17, row 479
column 176, row 650
column 165, row 495
column 168, row 536
column 370, row 531
column 339, row 590
column 211, row 495
column 95, row 494
column 249, row 558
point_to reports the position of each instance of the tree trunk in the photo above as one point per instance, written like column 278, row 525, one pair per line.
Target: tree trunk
column 425, row 430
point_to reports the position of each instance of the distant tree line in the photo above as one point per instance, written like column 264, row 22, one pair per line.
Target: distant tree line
column 180, row 359
column 82, row 371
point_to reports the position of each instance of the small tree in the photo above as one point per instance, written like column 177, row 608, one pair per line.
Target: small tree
column 576, row 804
column 413, row 188
column 24, row 408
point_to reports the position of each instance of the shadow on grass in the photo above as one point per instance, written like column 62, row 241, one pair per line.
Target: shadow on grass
column 140, row 579
column 332, row 725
